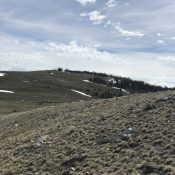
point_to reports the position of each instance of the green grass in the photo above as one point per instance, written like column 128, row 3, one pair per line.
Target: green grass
column 51, row 87
column 41, row 88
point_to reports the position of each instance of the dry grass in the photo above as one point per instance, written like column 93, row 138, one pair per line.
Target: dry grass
column 86, row 138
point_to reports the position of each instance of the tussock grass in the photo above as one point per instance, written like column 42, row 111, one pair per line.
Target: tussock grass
column 65, row 139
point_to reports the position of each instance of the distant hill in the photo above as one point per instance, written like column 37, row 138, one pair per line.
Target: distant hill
column 21, row 91
column 127, row 84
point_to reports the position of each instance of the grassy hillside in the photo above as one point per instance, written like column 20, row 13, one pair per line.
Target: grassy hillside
column 43, row 88
column 132, row 86
column 131, row 135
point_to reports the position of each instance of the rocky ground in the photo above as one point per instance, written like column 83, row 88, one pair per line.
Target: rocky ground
column 131, row 135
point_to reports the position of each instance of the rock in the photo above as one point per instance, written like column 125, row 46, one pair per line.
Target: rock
column 127, row 134
column 150, row 167
column 71, row 162
column 115, row 137
column 166, row 100
column 109, row 138
column 41, row 140
column 134, row 144
column 149, row 107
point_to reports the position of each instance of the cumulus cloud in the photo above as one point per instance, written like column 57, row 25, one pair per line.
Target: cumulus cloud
column 95, row 17
column 16, row 54
column 143, row 38
column 85, row 2
column 36, row 55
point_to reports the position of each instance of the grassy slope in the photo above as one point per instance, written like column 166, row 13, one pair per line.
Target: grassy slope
column 66, row 139
column 44, row 89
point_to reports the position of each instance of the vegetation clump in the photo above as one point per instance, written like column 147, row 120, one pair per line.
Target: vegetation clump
column 107, row 136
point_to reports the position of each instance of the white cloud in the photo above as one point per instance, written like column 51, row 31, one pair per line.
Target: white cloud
column 95, row 17
column 127, row 4
column 97, row 45
column 111, row 3
column 167, row 58
column 159, row 34
column 84, row 14
column 173, row 38
column 160, row 41
column 58, row 26
column 48, row 55
column 85, row 2
column 127, row 33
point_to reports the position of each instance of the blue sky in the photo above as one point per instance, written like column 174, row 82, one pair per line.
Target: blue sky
column 131, row 38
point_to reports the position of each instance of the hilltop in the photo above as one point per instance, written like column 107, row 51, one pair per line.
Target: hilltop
column 23, row 91
column 129, row 135
column 84, row 123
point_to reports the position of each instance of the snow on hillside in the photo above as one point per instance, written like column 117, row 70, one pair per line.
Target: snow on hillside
column 2, row 74
column 80, row 93
column 121, row 89
column 5, row 91
column 87, row 81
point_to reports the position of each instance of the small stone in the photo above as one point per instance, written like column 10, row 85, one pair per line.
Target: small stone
column 150, row 167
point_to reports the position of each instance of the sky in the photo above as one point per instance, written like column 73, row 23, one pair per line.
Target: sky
column 130, row 38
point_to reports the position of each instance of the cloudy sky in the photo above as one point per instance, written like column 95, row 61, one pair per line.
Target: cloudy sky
column 130, row 38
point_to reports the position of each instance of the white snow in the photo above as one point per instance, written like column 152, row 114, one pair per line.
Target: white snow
column 16, row 125
column 80, row 93
column 125, row 91
column 2, row 74
column 112, row 80
column 87, row 81
column 121, row 89
column 106, row 86
column 116, row 88
column 5, row 91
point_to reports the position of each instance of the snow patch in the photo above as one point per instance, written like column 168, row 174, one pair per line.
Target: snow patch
column 107, row 86
column 112, row 80
column 2, row 74
column 5, row 91
column 80, row 93
column 87, row 81
column 121, row 89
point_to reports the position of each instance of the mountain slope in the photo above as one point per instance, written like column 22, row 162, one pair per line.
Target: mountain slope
column 29, row 90
column 130, row 135
column 43, row 88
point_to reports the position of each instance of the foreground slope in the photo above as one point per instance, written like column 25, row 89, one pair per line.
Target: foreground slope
column 127, row 135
